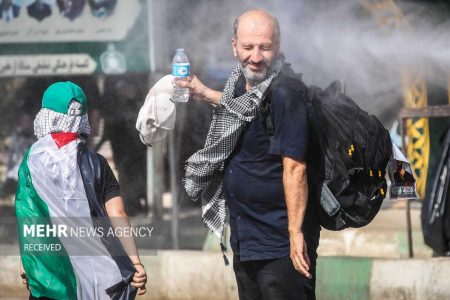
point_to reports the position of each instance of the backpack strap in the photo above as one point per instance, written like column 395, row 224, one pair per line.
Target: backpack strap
column 266, row 107
column 266, row 113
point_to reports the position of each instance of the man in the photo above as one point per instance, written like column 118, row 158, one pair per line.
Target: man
column 62, row 184
column 39, row 10
column 70, row 9
column 262, row 178
column 118, row 107
column 102, row 8
column 8, row 10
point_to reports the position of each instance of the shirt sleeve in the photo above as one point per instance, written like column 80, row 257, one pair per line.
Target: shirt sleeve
column 109, row 184
column 289, row 113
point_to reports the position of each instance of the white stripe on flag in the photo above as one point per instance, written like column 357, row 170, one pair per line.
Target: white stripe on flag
column 57, row 180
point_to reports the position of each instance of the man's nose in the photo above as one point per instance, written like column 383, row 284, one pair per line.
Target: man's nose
column 256, row 56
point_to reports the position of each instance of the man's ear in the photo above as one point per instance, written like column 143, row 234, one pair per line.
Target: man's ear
column 233, row 44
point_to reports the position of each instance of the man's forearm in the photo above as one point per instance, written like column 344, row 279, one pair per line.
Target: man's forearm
column 211, row 96
column 296, row 193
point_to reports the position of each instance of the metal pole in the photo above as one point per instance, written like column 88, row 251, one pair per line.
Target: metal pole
column 174, row 189
column 150, row 193
column 409, row 227
column 151, row 37
column 408, row 205
column 150, row 166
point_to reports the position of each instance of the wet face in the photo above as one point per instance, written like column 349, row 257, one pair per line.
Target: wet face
column 256, row 45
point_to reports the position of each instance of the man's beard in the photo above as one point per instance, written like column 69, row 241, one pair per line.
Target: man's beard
column 255, row 76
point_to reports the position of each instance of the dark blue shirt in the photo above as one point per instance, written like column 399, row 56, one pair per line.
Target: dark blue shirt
column 253, row 174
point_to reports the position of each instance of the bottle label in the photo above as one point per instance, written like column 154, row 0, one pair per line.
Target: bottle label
column 181, row 70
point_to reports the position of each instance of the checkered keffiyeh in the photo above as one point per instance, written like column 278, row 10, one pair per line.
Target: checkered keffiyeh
column 204, row 169
column 48, row 121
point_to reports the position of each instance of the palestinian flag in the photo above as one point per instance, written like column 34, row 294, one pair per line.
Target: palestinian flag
column 52, row 204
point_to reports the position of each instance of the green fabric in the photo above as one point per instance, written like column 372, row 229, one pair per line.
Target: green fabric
column 50, row 274
column 57, row 97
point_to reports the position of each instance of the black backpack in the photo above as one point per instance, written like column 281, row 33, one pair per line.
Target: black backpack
column 348, row 154
column 436, row 206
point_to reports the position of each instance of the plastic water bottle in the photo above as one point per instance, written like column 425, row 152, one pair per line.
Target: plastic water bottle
column 180, row 70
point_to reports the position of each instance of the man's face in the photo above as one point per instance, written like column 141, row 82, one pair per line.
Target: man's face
column 256, row 46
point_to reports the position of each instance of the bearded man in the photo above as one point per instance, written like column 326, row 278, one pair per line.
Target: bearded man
column 260, row 177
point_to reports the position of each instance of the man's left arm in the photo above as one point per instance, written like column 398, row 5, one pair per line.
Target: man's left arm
column 296, row 193
column 290, row 141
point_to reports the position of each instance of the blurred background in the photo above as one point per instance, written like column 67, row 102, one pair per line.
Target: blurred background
column 392, row 56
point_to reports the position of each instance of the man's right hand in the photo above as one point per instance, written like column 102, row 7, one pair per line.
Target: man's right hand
column 198, row 90
column 195, row 86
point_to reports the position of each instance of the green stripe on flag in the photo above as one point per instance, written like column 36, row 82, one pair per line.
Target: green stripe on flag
column 340, row 278
column 50, row 274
